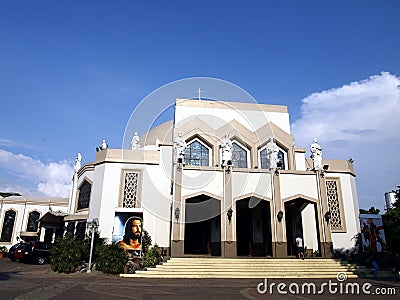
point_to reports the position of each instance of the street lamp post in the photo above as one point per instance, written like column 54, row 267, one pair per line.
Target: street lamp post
column 92, row 223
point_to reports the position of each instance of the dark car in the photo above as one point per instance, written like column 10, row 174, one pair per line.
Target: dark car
column 16, row 252
column 38, row 252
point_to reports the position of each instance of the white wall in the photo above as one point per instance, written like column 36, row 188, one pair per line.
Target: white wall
column 309, row 227
column 351, row 212
column 248, row 183
column 300, row 159
column 217, row 117
column 293, row 184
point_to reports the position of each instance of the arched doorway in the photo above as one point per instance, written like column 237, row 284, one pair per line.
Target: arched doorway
column 253, row 227
column 301, row 219
column 202, row 226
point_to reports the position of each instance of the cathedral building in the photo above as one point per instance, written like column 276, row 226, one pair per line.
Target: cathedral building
column 220, row 179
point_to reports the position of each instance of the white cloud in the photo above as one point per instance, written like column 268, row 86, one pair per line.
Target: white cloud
column 36, row 177
column 359, row 120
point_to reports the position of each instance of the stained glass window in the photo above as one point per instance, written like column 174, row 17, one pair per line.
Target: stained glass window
column 8, row 226
column 263, row 158
column 264, row 161
column 239, row 156
column 33, row 221
column 196, row 154
column 84, row 195
column 80, row 231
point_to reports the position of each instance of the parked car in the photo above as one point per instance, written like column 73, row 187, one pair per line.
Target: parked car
column 16, row 251
column 38, row 252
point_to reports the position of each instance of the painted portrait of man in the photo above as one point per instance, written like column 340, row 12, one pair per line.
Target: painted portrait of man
column 132, row 239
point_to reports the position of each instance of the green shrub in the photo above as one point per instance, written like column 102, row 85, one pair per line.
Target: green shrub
column 153, row 256
column 111, row 259
column 67, row 255
column 146, row 241
column 97, row 242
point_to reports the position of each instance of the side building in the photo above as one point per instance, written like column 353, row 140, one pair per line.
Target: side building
column 31, row 218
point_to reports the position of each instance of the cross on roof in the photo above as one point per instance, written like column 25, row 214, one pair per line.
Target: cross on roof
column 199, row 91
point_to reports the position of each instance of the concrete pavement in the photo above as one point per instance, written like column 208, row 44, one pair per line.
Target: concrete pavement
column 28, row 281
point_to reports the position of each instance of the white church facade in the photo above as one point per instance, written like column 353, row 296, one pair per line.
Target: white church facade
column 220, row 179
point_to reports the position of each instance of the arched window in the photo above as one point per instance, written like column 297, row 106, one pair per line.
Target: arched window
column 33, row 221
column 264, row 161
column 239, row 156
column 84, row 195
column 8, row 226
column 197, row 154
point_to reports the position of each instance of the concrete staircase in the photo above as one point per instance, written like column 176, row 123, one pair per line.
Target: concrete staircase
column 209, row 267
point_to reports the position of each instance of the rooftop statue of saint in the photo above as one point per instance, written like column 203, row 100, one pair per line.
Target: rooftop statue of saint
column 316, row 155
column 226, row 146
column 78, row 160
column 135, row 142
column 180, row 147
column 272, row 154
column 103, row 145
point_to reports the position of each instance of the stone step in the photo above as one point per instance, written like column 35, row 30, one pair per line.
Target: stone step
column 249, row 268
column 145, row 274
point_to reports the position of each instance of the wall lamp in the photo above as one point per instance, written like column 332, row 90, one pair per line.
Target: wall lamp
column 328, row 216
column 280, row 216
column 177, row 213
column 229, row 214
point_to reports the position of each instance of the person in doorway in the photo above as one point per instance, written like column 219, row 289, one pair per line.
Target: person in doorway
column 132, row 239
column 299, row 247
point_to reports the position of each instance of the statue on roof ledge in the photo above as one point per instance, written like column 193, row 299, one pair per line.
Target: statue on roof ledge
column 227, row 148
column 180, row 147
column 78, row 160
column 104, row 145
column 316, row 155
column 135, row 142
column 272, row 154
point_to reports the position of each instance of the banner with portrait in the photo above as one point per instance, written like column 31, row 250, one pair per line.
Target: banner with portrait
column 127, row 232
column 372, row 233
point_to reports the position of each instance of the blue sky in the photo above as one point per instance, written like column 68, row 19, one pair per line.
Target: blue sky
column 72, row 72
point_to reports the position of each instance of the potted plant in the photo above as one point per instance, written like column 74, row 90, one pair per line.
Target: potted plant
column 3, row 251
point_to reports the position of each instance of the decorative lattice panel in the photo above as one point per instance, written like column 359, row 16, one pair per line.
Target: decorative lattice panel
column 130, row 189
column 334, row 205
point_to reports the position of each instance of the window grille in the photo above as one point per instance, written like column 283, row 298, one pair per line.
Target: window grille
column 334, row 205
column 130, row 190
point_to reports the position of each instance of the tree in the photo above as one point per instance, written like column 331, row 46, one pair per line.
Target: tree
column 371, row 211
column 396, row 192
column 391, row 221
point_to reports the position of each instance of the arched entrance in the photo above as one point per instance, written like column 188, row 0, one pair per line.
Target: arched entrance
column 203, row 226
column 253, row 227
column 301, row 218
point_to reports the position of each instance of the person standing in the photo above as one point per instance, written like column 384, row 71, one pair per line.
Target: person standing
column 299, row 247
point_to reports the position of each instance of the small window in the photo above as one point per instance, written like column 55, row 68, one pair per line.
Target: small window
column 8, row 226
column 33, row 221
column 84, row 195
column 197, row 154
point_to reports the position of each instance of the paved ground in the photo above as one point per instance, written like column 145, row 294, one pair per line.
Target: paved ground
column 28, row 281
